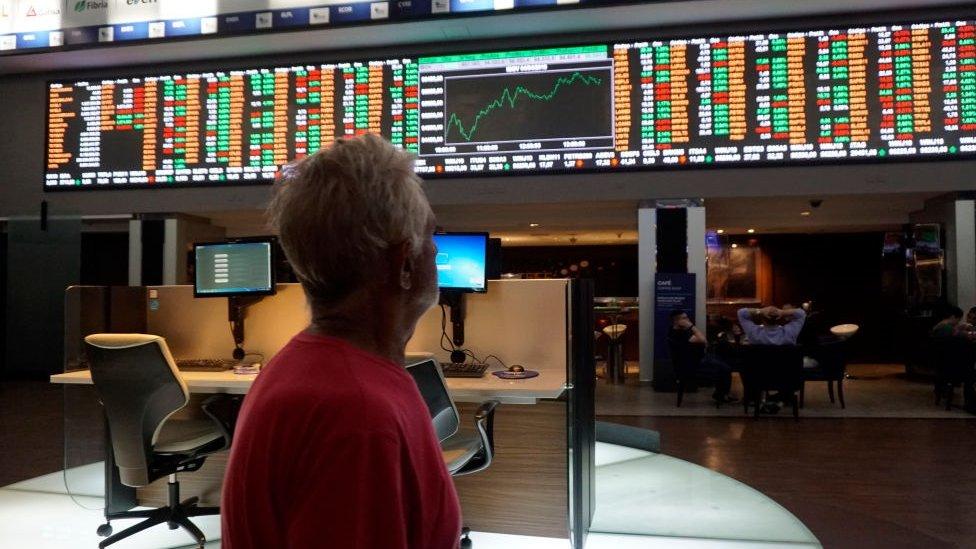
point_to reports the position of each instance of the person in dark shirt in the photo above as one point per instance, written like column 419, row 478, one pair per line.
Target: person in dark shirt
column 950, row 324
column 334, row 445
column 687, row 346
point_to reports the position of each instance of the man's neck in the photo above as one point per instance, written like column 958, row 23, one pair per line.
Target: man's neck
column 370, row 325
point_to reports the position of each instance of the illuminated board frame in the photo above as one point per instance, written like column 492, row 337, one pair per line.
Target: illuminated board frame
column 705, row 31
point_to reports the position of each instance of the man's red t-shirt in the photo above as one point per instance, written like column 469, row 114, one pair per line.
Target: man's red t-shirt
column 335, row 447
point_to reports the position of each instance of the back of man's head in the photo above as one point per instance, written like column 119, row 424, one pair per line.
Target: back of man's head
column 338, row 210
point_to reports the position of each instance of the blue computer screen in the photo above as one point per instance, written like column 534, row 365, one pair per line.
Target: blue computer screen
column 461, row 261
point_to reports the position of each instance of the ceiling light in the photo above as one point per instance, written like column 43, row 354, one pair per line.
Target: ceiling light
column 533, row 225
column 734, row 245
column 805, row 213
column 720, row 231
column 750, row 231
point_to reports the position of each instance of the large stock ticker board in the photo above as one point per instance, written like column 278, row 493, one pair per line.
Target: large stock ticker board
column 828, row 95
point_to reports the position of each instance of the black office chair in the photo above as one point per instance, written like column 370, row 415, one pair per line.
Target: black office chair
column 953, row 359
column 831, row 357
column 463, row 454
column 771, row 368
column 686, row 361
column 139, row 386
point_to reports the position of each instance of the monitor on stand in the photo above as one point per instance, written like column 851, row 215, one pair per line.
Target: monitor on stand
column 461, row 269
column 242, row 270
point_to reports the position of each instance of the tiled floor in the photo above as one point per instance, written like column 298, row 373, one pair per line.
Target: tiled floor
column 874, row 390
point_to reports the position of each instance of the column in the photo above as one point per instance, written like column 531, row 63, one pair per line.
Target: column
column 659, row 245
column 646, row 267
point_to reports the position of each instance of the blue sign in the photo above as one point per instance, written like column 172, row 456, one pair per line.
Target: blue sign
column 671, row 291
column 351, row 13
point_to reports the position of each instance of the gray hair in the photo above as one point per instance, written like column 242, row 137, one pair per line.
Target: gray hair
column 339, row 209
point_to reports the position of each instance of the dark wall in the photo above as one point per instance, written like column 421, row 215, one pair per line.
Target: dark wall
column 842, row 274
column 3, row 301
column 105, row 259
column 612, row 268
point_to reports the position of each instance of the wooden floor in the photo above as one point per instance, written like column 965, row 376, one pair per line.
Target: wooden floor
column 859, row 483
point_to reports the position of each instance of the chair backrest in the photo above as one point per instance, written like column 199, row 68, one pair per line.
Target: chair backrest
column 433, row 389
column 685, row 358
column 772, row 367
column 952, row 357
column 138, row 384
column 831, row 358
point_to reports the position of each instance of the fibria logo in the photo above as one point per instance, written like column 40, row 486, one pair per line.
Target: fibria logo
column 83, row 5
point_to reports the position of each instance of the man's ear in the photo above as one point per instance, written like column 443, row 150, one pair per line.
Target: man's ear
column 402, row 265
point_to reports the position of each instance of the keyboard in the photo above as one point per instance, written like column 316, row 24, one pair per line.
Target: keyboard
column 463, row 370
column 206, row 364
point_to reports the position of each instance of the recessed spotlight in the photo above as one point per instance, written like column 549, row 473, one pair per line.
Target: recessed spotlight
column 720, row 231
column 533, row 225
column 805, row 213
column 734, row 245
column 750, row 231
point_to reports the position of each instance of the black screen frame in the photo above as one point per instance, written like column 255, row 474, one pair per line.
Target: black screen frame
column 272, row 244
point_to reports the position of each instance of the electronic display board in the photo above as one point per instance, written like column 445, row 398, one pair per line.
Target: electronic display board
column 828, row 95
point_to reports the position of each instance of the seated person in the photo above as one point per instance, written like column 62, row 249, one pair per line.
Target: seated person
column 950, row 325
column 967, row 328
column 687, row 344
column 771, row 325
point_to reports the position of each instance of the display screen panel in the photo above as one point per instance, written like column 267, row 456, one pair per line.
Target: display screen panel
column 233, row 268
column 824, row 95
column 461, row 261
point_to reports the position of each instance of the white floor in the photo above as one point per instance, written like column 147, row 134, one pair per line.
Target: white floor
column 643, row 500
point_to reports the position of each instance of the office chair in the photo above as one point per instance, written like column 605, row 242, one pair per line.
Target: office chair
column 139, row 387
column 463, row 454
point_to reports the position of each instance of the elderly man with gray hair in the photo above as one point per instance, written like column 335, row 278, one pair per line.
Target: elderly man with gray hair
column 334, row 445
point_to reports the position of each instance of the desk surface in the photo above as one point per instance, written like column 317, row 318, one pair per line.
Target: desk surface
column 522, row 391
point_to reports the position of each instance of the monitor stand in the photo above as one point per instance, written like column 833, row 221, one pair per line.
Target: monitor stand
column 236, row 308
column 455, row 300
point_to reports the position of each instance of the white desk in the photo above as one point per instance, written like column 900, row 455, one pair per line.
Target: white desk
column 522, row 391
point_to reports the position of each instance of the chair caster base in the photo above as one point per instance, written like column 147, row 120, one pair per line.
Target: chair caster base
column 104, row 530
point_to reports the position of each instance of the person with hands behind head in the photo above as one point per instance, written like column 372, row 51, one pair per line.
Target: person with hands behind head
column 771, row 325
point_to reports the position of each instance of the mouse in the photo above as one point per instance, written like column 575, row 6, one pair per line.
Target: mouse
column 516, row 369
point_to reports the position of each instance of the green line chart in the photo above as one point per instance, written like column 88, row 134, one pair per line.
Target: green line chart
column 486, row 107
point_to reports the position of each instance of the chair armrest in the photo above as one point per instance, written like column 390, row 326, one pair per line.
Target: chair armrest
column 222, row 410
column 484, row 419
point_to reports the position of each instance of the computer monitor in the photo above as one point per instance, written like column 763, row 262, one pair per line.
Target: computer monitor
column 462, row 261
column 234, row 268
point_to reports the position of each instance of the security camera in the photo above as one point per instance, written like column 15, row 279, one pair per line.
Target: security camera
column 815, row 203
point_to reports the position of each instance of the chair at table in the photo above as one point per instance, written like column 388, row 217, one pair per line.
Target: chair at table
column 463, row 453
column 771, row 368
column 953, row 359
column 831, row 359
column 685, row 360
column 139, row 386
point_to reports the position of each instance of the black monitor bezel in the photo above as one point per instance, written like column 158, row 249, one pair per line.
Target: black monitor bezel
column 469, row 290
column 270, row 240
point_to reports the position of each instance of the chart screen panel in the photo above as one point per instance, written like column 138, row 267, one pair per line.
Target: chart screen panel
column 824, row 95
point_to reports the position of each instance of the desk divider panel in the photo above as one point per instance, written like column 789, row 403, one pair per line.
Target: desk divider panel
column 521, row 321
